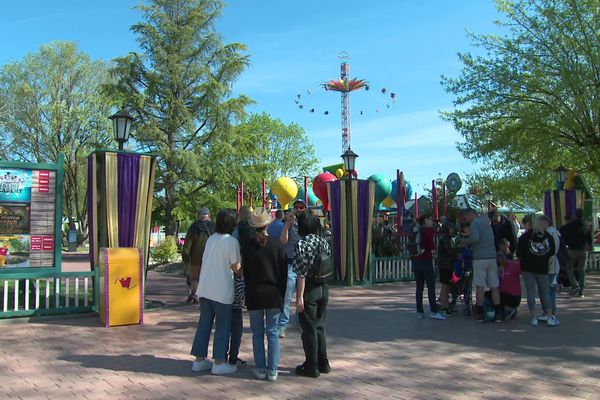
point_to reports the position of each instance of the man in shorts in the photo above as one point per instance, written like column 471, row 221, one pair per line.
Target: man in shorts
column 485, row 269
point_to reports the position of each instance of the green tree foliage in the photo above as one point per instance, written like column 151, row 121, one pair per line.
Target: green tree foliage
column 50, row 103
column 531, row 100
column 179, row 89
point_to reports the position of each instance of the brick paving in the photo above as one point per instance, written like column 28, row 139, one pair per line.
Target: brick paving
column 377, row 348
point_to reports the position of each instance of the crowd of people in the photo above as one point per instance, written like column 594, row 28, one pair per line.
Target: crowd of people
column 254, row 261
column 492, row 252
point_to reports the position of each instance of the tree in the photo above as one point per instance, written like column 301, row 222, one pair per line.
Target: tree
column 532, row 101
column 52, row 104
column 179, row 88
column 258, row 148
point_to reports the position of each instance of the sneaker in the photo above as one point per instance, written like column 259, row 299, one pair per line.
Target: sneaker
column 575, row 290
column 202, row 365
column 303, row 370
column 420, row 315
column 272, row 376
column 324, row 366
column 553, row 321
column 259, row 373
column 238, row 362
column 534, row 321
column 437, row 315
column 223, row 369
column 543, row 318
column 281, row 332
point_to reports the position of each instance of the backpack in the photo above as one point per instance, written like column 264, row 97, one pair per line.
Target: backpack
column 323, row 266
column 414, row 244
column 562, row 255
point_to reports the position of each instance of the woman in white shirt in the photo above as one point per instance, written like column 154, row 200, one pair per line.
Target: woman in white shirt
column 221, row 259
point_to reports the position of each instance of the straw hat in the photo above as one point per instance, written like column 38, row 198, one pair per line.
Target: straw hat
column 260, row 217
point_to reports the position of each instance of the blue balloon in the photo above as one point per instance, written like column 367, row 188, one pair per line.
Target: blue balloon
column 382, row 187
column 394, row 192
column 312, row 197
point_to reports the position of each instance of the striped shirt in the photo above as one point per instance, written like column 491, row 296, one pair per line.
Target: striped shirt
column 293, row 239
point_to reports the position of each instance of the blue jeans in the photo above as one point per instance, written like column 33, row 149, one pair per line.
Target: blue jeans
column 237, row 325
column 424, row 274
column 284, row 317
column 259, row 319
column 212, row 311
column 552, row 292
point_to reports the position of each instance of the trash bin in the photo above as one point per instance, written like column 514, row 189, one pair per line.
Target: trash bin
column 121, row 286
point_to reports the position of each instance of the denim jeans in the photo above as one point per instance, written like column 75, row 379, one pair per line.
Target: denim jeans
column 552, row 292
column 424, row 274
column 261, row 322
column 237, row 325
column 284, row 317
column 212, row 311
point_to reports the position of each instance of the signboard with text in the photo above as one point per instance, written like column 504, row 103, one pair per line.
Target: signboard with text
column 27, row 217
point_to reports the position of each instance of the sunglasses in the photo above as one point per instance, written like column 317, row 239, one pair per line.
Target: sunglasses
column 299, row 208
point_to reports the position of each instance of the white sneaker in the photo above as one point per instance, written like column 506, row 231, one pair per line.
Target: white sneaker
column 437, row 315
column 542, row 317
column 202, row 365
column 272, row 376
column 259, row 374
column 553, row 321
column 534, row 321
column 420, row 315
column 223, row 369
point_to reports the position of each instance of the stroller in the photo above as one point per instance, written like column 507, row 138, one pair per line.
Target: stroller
column 462, row 280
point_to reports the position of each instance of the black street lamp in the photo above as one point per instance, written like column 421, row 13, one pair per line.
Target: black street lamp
column 561, row 177
column 349, row 158
column 122, row 122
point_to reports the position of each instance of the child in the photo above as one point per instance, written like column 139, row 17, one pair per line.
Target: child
column 509, row 270
column 237, row 322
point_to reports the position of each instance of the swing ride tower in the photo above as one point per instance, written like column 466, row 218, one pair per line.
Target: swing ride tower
column 345, row 85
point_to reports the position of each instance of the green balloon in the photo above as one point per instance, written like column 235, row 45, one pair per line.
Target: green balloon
column 383, row 187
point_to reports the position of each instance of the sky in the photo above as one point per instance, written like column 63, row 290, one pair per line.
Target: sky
column 402, row 46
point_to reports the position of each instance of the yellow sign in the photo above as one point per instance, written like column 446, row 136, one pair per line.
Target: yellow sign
column 121, row 286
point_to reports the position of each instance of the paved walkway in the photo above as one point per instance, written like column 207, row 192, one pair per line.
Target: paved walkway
column 377, row 348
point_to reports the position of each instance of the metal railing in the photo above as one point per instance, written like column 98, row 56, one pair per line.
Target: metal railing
column 48, row 293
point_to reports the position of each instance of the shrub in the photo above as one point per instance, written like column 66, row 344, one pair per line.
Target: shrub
column 166, row 251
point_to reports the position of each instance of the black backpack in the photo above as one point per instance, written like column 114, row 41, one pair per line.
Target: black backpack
column 323, row 267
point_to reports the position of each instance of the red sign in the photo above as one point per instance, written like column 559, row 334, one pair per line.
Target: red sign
column 44, row 181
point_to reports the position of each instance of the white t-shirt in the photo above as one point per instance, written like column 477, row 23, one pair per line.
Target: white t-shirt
column 216, row 277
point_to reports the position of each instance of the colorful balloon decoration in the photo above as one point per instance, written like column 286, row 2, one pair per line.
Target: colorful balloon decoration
column 320, row 187
column 388, row 202
column 312, row 198
column 339, row 173
column 394, row 191
column 285, row 189
column 383, row 186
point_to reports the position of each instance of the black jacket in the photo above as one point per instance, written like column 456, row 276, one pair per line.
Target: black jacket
column 265, row 274
column 534, row 251
column 577, row 235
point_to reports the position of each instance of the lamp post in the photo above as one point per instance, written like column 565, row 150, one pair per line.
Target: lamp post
column 122, row 122
column 488, row 197
column 561, row 177
column 349, row 158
